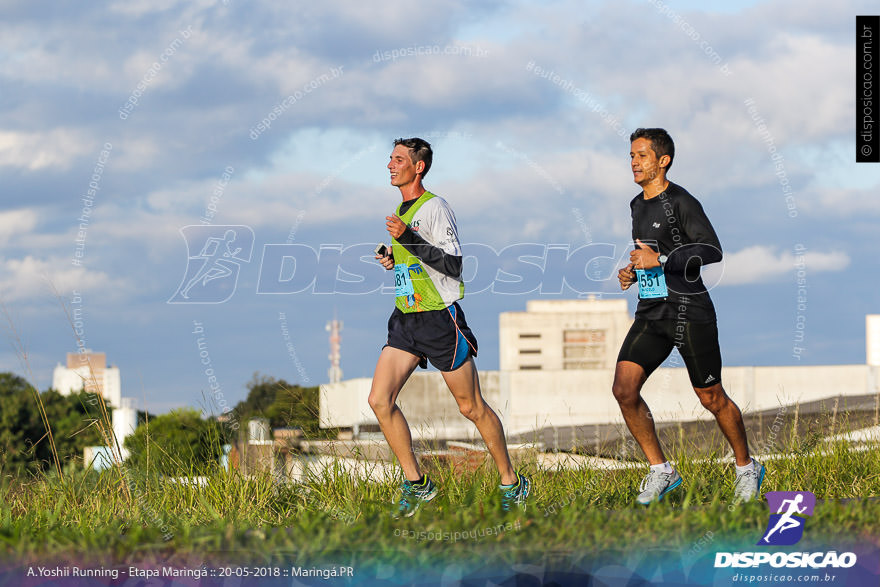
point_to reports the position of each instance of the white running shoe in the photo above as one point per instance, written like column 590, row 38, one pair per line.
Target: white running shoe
column 657, row 484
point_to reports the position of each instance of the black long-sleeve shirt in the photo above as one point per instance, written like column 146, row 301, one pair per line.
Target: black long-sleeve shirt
column 675, row 224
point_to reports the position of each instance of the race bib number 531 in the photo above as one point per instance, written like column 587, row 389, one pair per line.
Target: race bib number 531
column 652, row 283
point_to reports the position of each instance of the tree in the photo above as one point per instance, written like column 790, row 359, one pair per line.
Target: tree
column 296, row 406
column 283, row 404
column 20, row 425
column 177, row 443
column 77, row 422
column 24, row 443
column 262, row 390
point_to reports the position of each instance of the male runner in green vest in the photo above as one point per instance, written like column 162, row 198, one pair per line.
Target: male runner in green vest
column 428, row 325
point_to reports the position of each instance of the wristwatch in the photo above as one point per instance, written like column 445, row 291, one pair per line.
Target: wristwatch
column 662, row 259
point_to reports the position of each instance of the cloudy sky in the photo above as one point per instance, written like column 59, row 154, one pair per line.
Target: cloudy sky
column 121, row 123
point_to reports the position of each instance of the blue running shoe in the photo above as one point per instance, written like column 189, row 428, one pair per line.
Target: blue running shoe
column 748, row 484
column 516, row 494
column 656, row 484
column 413, row 496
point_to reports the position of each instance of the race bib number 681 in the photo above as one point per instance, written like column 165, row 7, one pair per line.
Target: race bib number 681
column 402, row 284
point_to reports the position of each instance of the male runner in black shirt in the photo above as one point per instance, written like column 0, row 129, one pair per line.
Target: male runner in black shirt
column 674, row 239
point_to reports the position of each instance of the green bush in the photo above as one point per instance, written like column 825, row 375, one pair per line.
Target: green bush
column 179, row 442
column 284, row 404
column 24, row 444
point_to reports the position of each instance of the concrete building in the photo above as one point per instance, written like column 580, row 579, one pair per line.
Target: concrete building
column 88, row 371
column 553, row 335
column 557, row 365
column 872, row 339
column 125, row 420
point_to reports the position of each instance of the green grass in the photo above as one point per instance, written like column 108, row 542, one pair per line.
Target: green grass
column 571, row 514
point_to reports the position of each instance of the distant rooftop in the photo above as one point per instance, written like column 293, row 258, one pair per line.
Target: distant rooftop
column 576, row 306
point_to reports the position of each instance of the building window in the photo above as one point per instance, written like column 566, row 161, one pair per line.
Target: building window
column 530, row 367
column 583, row 348
column 530, row 351
column 526, row 335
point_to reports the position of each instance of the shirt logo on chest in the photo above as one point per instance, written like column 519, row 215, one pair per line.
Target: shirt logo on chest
column 656, row 225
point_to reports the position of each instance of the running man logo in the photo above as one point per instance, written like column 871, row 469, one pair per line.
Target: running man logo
column 212, row 274
column 784, row 528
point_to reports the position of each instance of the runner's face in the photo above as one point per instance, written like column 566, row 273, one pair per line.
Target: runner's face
column 644, row 162
column 403, row 170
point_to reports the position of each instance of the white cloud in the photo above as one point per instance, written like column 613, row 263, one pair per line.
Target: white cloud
column 136, row 153
column 761, row 264
column 29, row 278
column 41, row 150
column 15, row 223
column 843, row 202
column 140, row 8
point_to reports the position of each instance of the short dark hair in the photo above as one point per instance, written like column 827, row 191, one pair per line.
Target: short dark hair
column 661, row 142
column 419, row 150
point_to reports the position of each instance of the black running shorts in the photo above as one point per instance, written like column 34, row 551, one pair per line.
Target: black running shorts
column 439, row 336
column 649, row 342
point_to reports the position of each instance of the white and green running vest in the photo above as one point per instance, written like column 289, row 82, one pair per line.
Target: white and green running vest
column 419, row 288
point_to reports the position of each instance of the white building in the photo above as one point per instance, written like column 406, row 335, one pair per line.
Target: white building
column 563, row 335
column 872, row 339
column 557, row 365
column 88, row 371
column 124, row 423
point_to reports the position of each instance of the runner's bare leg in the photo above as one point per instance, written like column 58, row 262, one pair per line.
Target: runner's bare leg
column 392, row 370
column 464, row 383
